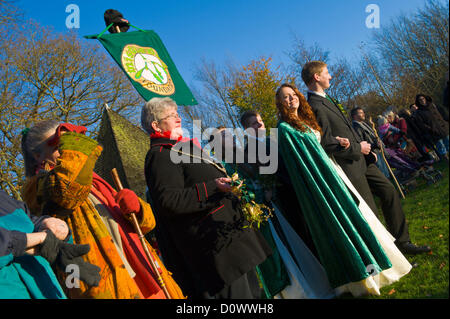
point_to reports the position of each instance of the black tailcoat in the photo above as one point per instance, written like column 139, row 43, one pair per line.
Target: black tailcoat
column 364, row 175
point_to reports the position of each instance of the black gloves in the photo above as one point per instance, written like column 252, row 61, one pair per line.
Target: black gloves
column 62, row 254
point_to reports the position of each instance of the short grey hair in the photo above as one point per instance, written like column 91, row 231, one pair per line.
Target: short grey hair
column 154, row 110
column 32, row 142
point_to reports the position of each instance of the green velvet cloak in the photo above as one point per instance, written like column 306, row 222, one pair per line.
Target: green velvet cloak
column 344, row 241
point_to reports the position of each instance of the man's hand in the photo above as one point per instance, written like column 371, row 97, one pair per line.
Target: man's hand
column 365, row 148
column 343, row 141
column 57, row 226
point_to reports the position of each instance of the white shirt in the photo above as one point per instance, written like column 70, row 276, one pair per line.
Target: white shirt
column 318, row 93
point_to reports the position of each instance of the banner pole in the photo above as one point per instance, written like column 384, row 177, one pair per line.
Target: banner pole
column 161, row 282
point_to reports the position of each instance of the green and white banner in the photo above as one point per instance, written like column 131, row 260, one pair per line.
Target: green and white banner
column 146, row 62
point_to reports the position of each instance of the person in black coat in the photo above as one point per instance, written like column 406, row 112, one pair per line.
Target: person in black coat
column 202, row 240
column 433, row 126
column 357, row 161
column 284, row 191
column 366, row 133
column 416, row 135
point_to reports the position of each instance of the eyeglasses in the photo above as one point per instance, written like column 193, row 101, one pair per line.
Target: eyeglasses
column 175, row 116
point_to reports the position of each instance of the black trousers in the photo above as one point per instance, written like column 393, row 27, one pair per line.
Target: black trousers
column 377, row 184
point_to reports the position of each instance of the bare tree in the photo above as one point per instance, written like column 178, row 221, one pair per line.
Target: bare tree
column 413, row 51
column 48, row 75
column 346, row 83
column 408, row 56
column 9, row 13
column 300, row 54
column 215, row 107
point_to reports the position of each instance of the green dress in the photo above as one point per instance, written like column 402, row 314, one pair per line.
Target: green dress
column 345, row 243
column 272, row 272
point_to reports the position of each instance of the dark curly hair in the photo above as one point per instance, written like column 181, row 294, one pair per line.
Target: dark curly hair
column 305, row 114
column 428, row 99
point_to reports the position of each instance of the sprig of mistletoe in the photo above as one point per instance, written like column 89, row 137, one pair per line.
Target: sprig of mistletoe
column 339, row 105
column 254, row 213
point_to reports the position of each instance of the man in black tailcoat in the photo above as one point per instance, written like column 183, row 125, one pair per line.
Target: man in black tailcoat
column 357, row 161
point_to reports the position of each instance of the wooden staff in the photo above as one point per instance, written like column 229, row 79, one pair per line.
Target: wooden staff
column 138, row 230
column 384, row 158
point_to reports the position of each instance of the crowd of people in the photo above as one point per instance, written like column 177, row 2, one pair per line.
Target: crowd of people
column 409, row 141
column 319, row 233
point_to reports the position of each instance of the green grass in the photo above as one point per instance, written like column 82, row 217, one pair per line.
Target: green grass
column 427, row 214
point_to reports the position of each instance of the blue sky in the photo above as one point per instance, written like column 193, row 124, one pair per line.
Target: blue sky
column 243, row 30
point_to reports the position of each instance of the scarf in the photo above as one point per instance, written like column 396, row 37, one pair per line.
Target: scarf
column 383, row 129
column 134, row 252
column 167, row 134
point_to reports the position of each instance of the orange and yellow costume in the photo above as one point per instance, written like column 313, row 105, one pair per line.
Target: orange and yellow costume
column 67, row 192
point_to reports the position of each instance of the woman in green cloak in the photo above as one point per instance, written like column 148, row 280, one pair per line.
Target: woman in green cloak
column 357, row 252
column 292, row 271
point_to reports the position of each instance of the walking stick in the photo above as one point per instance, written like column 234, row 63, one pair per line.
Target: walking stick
column 382, row 154
column 138, row 230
